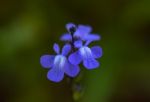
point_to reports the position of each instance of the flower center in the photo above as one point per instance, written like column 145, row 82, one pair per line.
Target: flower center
column 59, row 61
column 85, row 52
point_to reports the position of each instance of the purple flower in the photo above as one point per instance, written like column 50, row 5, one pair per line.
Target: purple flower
column 73, row 53
column 83, row 32
column 59, row 64
column 86, row 54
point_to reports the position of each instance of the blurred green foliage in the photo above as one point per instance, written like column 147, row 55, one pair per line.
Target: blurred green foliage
column 28, row 29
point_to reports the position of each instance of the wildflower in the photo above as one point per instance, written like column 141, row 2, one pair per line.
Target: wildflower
column 86, row 54
column 83, row 32
column 67, row 62
column 59, row 64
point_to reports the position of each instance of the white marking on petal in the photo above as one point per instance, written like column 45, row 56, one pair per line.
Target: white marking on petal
column 85, row 52
column 59, row 61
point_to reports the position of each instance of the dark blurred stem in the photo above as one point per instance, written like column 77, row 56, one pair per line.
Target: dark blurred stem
column 72, row 42
column 70, row 83
column 72, row 31
column 70, row 80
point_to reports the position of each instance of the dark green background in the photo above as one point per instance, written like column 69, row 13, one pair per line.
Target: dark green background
column 28, row 29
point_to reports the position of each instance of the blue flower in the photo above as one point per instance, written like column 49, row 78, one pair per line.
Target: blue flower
column 86, row 54
column 83, row 32
column 59, row 64
column 73, row 53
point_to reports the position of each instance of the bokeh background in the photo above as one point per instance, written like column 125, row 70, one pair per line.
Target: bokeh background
column 28, row 29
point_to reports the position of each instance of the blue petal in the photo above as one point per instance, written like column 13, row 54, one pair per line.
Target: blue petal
column 72, row 70
column 82, row 31
column 78, row 44
column 70, row 25
column 75, row 58
column 96, row 51
column 66, row 37
column 55, row 75
column 47, row 61
column 66, row 49
column 92, row 37
column 85, row 28
column 56, row 48
column 90, row 63
column 87, row 42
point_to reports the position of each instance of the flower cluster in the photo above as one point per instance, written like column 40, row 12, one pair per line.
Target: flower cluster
column 74, row 52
